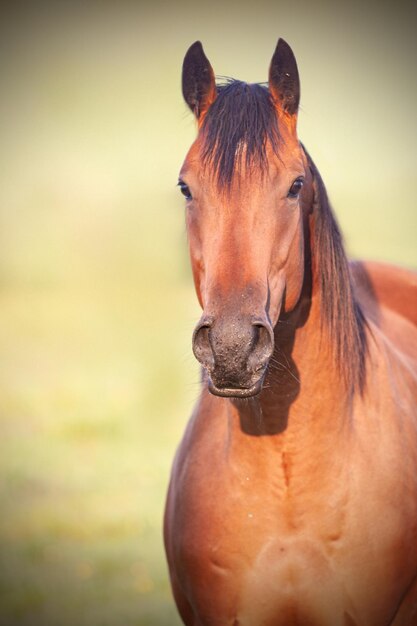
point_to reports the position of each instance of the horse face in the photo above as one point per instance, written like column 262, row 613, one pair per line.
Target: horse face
column 246, row 236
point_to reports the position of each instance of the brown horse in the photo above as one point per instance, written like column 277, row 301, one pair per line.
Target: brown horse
column 293, row 497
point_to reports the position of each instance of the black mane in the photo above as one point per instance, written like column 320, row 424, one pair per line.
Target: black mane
column 341, row 310
column 242, row 120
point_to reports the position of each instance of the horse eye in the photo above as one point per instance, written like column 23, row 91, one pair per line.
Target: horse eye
column 296, row 187
column 185, row 190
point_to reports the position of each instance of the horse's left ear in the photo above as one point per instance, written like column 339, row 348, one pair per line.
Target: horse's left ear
column 198, row 82
column 284, row 82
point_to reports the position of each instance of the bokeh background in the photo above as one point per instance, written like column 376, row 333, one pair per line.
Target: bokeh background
column 97, row 378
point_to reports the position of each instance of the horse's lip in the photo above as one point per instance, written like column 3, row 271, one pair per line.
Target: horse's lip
column 236, row 392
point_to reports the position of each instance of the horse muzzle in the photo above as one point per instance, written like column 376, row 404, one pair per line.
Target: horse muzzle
column 235, row 353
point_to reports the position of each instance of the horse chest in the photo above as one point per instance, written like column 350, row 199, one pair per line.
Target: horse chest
column 246, row 567
column 244, row 549
column 258, row 548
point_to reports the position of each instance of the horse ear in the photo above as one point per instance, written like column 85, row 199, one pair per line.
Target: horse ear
column 284, row 82
column 198, row 82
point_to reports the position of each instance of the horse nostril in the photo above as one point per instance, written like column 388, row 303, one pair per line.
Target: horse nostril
column 263, row 345
column 233, row 348
column 201, row 344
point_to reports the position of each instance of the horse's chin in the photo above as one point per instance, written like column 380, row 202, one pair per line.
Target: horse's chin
column 236, row 392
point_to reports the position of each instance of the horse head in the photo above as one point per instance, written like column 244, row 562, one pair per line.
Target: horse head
column 248, row 189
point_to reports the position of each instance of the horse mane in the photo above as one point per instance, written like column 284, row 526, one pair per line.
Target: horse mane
column 243, row 121
column 341, row 310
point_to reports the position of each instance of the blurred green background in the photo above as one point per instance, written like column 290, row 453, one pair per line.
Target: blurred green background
column 97, row 378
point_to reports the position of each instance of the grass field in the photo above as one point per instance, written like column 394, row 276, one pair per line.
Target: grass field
column 97, row 378
column 88, row 430
column 93, row 400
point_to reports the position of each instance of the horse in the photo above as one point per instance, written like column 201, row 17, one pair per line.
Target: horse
column 293, row 495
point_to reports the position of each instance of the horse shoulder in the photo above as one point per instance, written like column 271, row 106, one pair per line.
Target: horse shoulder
column 205, row 561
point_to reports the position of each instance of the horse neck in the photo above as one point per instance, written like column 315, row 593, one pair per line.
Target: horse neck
column 299, row 429
column 303, row 384
column 294, row 440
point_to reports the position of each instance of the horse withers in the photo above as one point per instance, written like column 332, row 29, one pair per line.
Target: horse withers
column 293, row 496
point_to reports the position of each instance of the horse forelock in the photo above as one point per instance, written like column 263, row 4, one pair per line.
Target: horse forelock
column 237, row 128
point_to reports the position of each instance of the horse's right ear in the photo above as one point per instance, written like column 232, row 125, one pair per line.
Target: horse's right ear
column 198, row 82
